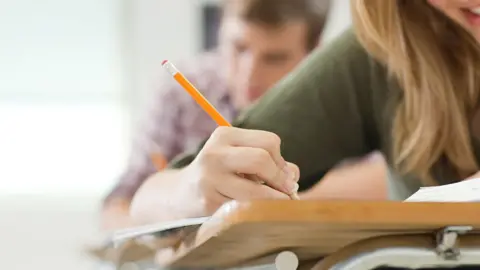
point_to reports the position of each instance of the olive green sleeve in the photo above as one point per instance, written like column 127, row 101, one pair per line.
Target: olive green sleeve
column 317, row 110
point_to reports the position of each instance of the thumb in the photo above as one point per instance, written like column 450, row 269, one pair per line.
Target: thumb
column 295, row 170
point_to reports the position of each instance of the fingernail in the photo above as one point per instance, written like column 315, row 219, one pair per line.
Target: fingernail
column 295, row 188
column 290, row 185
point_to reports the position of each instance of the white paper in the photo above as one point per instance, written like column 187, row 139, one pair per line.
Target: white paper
column 157, row 228
column 464, row 191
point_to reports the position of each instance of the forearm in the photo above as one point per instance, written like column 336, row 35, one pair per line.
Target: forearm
column 164, row 196
column 365, row 180
column 115, row 212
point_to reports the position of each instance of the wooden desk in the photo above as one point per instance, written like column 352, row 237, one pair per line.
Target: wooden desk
column 247, row 232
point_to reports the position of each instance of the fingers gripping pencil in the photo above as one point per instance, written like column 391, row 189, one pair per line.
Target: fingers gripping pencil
column 204, row 103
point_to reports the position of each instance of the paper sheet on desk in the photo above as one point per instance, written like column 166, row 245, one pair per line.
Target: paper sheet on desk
column 464, row 191
column 142, row 241
column 159, row 230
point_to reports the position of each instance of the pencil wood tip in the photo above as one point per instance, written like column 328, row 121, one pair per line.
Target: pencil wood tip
column 294, row 196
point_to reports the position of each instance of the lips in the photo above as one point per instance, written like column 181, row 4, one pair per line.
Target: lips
column 472, row 15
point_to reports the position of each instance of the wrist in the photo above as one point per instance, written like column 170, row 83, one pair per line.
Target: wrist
column 190, row 193
column 165, row 196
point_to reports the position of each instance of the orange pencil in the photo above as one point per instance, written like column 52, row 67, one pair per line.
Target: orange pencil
column 196, row 95
column 201, row 100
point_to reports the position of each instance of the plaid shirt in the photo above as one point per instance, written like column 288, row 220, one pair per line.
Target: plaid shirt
column 174, row 123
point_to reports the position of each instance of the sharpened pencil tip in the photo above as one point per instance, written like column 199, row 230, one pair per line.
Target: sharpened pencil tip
column 164, row 62
column 294, row 196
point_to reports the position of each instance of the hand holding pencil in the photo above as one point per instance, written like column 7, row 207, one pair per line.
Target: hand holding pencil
column 234, row 161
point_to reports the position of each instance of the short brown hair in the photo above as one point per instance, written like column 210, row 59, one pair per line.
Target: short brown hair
column 277, row 12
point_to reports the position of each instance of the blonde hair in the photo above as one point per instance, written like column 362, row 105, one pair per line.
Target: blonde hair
column 435, row 61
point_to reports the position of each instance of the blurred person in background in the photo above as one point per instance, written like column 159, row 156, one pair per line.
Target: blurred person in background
column 260, row 41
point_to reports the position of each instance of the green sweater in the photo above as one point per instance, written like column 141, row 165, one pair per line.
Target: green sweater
column 338, row 104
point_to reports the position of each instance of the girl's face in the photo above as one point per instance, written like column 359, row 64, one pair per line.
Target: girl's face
column 464, row 12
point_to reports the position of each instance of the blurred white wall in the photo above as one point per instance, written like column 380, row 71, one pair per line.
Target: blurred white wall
column 60, row 49
column 158, row 30
column 61, row 95
column 63, row 126
column 72, row 75
column 340, row 19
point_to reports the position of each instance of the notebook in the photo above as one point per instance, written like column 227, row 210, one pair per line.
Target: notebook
column 464, row 191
